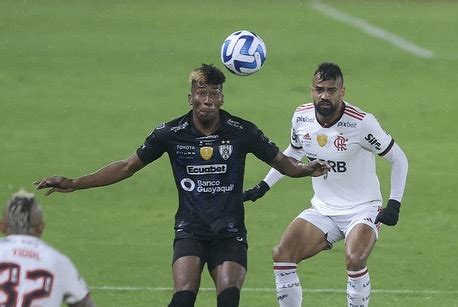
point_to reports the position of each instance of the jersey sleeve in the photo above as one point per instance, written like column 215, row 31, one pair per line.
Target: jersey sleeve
column 260, row 145
column 75, row 288
column 153, row 147
column 374, row 138
column 295, row 142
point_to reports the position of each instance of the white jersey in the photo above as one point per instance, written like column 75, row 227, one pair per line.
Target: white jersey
column 349, row 146
column 35, row 274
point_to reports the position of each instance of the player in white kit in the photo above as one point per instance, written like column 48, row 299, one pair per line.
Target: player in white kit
column 31, row 272
column 347, row 203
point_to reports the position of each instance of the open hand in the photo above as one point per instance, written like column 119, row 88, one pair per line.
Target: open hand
column 55, row 184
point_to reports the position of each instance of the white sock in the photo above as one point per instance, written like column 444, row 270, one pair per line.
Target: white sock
column 358, row 288
column 289, row 291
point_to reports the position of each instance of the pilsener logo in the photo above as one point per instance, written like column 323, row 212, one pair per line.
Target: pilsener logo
column 206, row 169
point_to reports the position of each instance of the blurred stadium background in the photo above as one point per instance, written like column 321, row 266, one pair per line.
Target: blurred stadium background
column 83, row 82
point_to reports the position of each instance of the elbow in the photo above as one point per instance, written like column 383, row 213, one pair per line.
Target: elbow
column 127, row 169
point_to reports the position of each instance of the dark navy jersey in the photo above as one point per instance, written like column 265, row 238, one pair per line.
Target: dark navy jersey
column 208, row 171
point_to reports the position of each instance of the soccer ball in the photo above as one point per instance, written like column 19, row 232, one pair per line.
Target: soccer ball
column 243, row 53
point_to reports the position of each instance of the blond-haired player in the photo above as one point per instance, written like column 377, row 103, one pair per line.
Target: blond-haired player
column 32, row 273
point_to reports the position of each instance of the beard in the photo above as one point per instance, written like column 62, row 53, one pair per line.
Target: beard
column 325, row 108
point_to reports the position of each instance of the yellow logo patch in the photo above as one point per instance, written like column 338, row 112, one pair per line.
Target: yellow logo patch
column 322, row 139
column 206, row 152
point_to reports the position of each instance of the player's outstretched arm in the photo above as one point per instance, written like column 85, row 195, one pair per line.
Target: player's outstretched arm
column 109, row 174
column 275, row 175
column 293, row 168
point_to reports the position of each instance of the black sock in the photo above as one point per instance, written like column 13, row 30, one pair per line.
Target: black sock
column 184, row 298
column 229, row 297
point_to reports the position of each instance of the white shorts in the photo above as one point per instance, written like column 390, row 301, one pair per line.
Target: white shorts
column 337, row 227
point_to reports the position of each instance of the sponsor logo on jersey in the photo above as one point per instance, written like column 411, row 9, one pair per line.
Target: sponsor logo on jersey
column 185, row 151
column 336, row 166
column 186, row 147
column 373, row 141
column 225, row 150
column 205, row 186
column 206, row 169
column 187, row 184
column 340, row 143
column 179, row 127
column 306, row 140
column 346, row 124
column 234, row 124
column 208, row 137
column 213, row 186
column 304, row 119
column 322, row 139
column 206, row 152
column 294, row 136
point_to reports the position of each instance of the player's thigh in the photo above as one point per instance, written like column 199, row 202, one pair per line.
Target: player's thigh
column 227, row 262
column 188, row 260
column 301, row 240
column 358, row 245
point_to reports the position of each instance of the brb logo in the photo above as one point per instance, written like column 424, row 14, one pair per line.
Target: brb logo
column 336, row 166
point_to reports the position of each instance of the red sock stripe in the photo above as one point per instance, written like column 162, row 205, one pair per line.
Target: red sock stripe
column 358, row 274
column 290, row 267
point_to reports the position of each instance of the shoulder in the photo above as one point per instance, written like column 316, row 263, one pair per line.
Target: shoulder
column 235, row 122
column 172, row 126
column 305, row 113
column 355, row 112
column 359, row 116
column 305, row 107
column 61, row 259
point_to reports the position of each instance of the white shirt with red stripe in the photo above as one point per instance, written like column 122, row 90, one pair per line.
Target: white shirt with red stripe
column 349, row 146
column 34, row 274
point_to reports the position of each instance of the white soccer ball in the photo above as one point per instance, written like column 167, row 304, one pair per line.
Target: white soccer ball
column 243, row 53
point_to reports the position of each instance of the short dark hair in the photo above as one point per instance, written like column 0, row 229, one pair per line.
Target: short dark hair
column 207, row 73
column 328, row 71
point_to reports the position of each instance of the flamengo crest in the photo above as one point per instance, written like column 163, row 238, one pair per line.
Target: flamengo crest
column 340, row 143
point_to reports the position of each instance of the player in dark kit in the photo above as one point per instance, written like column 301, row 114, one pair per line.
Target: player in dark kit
column 207, row 148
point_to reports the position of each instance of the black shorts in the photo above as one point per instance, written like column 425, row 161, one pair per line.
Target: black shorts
column 212, row 251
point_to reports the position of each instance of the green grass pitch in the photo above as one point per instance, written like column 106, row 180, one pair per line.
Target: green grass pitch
column 83, row 82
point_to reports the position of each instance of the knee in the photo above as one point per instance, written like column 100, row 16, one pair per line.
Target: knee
column 279, row 253
column 355, row 262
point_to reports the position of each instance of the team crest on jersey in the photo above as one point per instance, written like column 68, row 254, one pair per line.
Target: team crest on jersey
column 340, row 143
column 322, row 139
column 225, row 151
column 206, row 152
